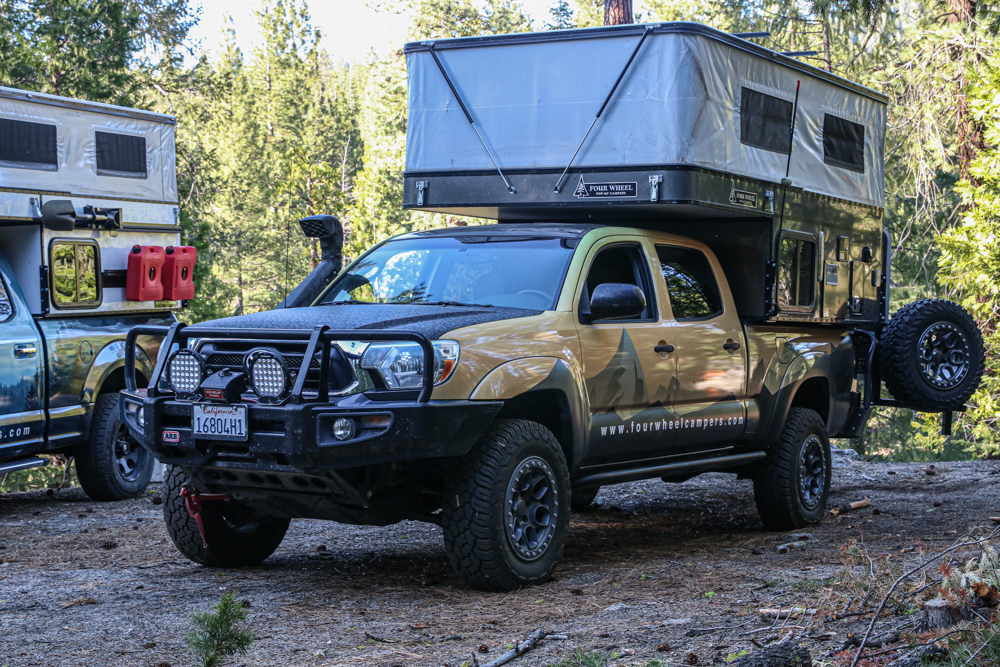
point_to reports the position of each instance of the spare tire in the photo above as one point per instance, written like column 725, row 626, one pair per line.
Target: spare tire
column 932, row 355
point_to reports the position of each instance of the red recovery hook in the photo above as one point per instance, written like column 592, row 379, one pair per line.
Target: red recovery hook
column 193, row 501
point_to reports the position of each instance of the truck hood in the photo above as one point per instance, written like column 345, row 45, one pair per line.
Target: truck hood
column 432, row 321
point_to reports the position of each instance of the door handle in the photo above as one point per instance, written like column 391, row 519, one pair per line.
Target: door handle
column 731, row 346
column 664, row 348
column 25, row 350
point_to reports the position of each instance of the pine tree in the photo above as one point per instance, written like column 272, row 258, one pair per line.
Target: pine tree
column 562, row 16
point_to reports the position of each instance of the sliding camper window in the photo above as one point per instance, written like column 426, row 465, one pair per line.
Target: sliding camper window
column 796, row 287
column 765, row 121
column 843, row 143
column 76, row 274
column 120, row 155
column 25, row 145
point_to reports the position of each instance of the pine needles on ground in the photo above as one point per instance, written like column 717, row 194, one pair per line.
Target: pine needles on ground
column 220, row 633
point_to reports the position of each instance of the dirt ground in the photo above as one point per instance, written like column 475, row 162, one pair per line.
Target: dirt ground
column 653, row 562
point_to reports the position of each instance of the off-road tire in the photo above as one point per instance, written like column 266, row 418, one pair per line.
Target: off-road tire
column 776, row 486
column 899, row 360
column 582, row 499
column 97, row 458
column 475, row 512
column 227, row 546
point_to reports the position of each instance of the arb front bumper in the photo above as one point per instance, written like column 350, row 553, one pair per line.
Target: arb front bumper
column 297, row 433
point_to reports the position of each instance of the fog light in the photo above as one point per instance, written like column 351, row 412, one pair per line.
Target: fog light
column 343, row 429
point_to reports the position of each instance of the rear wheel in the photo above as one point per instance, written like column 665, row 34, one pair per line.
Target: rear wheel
column 932, row 355
column 236, row 534
column 111, row 465
column 505, row 521
column 792, row 485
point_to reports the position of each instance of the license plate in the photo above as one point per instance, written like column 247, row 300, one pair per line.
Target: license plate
column 219, row 422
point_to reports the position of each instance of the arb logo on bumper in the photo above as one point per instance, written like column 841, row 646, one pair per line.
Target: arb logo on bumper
column 171, row 436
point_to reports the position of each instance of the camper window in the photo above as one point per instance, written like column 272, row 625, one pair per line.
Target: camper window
column 120, row 155
column 765, row 121
column 76, row 270
column 843, row 143
column 694, row 293
column 796, row 273
column 25, row 145
column 6, row 307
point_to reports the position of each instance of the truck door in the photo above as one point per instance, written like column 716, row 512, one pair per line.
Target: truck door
column 627, row 365
column 710, row 352
column 22, row 410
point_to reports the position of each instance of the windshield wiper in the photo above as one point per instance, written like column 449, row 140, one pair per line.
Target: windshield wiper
column 449, row 303
column 349, row 302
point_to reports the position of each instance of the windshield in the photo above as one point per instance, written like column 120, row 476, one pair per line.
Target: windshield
column 480, row 270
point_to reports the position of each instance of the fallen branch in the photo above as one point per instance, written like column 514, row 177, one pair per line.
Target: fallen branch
column 787, row 612
column 698, row 632
column 850, row 507
column 906, row 575
column 520, row 649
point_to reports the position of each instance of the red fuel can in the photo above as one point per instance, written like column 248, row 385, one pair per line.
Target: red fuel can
column 145, row 268
column 178, row 273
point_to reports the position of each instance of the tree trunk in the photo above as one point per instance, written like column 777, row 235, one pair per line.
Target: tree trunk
column 782, row 654
column 618, row 12
column 940, row 614
column 970, row 133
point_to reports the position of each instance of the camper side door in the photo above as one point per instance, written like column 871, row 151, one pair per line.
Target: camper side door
column 22, row 405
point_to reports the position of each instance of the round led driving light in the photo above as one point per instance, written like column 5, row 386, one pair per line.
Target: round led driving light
column 185, row 371
column 268, row 374
column 343, row 429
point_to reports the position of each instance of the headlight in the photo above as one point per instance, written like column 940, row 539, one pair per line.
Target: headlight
column 185, row 371
column 268, row 374
column 401, row 365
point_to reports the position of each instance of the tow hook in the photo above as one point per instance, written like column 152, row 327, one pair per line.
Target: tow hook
column 193, row 501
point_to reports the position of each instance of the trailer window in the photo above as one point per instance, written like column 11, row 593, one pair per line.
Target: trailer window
column 120, row 155
column 796, row 273
column 765, row 121
column 843, row 143
column 25, row 145
column 694, row 293
column 76, row 268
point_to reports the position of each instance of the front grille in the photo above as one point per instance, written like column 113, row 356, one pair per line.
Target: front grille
column 229, row 360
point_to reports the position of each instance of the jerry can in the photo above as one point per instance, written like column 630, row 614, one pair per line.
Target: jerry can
column 178, row 273
column 145, row 269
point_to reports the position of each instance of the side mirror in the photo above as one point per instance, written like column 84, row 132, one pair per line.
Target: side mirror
column 614, row 301
column 59, row 215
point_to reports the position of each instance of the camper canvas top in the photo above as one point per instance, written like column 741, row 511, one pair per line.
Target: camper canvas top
column 73, row 149
column 689, row 99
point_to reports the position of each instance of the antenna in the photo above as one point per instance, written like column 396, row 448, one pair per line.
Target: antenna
column 799, row 53
column 752, row 35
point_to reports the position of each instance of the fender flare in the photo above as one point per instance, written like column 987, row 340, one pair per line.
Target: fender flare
column 533, row 374
column 802, row 367
column 111, row 358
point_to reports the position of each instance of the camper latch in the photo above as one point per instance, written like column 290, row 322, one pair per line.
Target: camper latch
column 421, row 186
column 769, row 201
column 654, row 186
column 36, row 207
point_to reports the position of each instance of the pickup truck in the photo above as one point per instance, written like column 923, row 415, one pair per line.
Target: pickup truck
column 489, row 379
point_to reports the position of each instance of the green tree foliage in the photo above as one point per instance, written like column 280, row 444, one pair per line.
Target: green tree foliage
column 562, row 16
column 92, row 49
column 220, row 633
column 589, row 13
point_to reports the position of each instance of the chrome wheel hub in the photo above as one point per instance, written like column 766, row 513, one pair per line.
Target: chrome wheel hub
column 531, row 508
column 943, row 355
column 812, row 471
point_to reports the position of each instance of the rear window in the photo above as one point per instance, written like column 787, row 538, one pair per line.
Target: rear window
column 694, row 294
column 843, row 143
column 76, row 270
column 765, row 121
column 796, row 273
column 120, row 155
column 25, row 145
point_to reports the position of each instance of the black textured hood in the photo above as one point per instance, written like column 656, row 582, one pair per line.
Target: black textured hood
column 432, row 321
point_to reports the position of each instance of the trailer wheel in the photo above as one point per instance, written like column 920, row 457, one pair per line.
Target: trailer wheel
column 792, row 485
column 506, row 518
column 111, row 465
column 237, row 535
column 932, row 355
column 581, row 499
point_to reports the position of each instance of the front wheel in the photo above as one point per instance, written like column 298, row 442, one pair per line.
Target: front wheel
column 792, row 485
column 506, row 517
column 236, row 535
column 111, row 465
